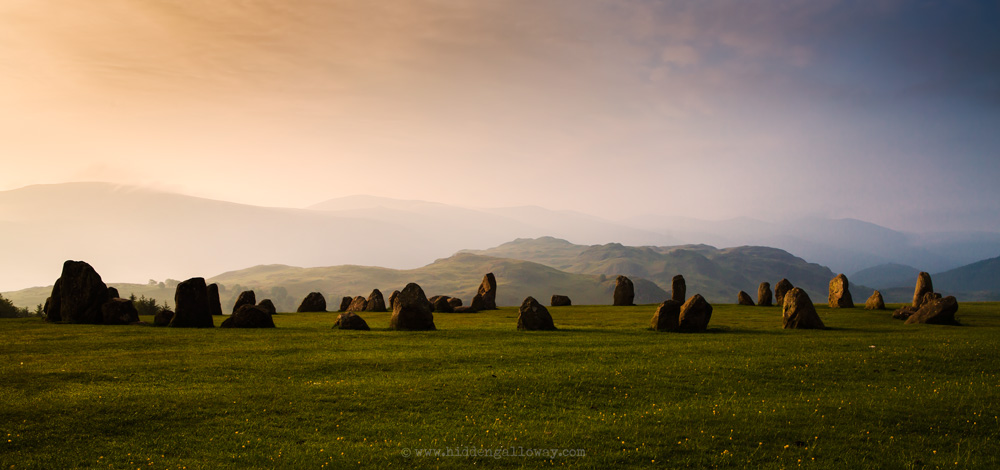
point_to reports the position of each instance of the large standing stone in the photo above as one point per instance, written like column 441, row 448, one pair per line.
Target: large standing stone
column 249, row 316
column 358, row 304
column 678, row 288
column 667, row 316
column 798, row 311
column 82, row 293
column 375, row 302
column 351, row 321
column 411, row 310
column 52, row 304
column 840, row 293
column 214, row 303
column 345, row 303
column 780, row 289
column 191, row 309
column 488, row 290
column 314, row 302
column 392, row 299
column 246, row 297
column 267, row 306
column 119, row 311
column 624, row 292
column 560, row 301
column 924, row 285
column 695, row 314
column 764, row 295
column 936, row 312
column 533, row 316
column 875, row 302
column 744, row 299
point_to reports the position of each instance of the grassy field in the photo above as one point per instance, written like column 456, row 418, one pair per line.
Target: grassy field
column 869, row 392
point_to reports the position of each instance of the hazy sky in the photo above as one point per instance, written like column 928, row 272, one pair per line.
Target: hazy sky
column 887, row 111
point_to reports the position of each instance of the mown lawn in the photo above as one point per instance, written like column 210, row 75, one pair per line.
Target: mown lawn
column 869, row 392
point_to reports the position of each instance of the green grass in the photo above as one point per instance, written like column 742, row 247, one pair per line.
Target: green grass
column 868, row 393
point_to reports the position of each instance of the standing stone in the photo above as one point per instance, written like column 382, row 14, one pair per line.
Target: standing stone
column 345, row 303
column 678, row 289
column 267, row 306
column 624, row 292
column 474, row 307
column 392, row 299
column 798, row 311
column 82, row 293
column 780, row 289
column 695, row 314
column 533, row 316
column 875, row 302
column 246, row 297
column 667, row 316
column 411, row 310
column 351, row 321
column 924, row 285
column 314, row 302
column 191, row 309
column 52, row 305
column 441, row 304
column 560, row 301
column 929, row 297
column 455, row 302
column 113, row 293
column 358, row 304
column 118, row 311
column 163, row 317
column 744, row 299
column 488, row 290
column 249, row 316
column 764, row 295
column 213, row 299
column 936, row 312
column 375, row 302
column 840, row 293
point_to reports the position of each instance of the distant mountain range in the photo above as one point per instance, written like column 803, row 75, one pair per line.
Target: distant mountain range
column 135, row 234
column 972, row 282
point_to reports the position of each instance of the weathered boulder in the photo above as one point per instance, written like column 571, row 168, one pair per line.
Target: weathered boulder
column 678, row 288
column 358, row 304
column 924, row 285
column 695, row 314
column 247, row 297
column 929, row 297
column 267, row 306
column 113, row 293
column 345, row 303
column 488, row 290
column 780, row 289
column 214, row 303
column 624, row 292
column 904, row 312
column 840, row 293
column 936, row 312
column 455, row 302
column 82, row 293
column 52, row 304
column 392, row 299
column 764, row 295
column 667, row 316
column 163, row 318
column 532, row 316
column 314, row 302
column 798, row 311
column 117, row 311
column 560, row 301
column 411, row 310
column 249, row 316
column 744, row 299
column 474, row 307
column 351, row 321
column 443, row 305
column 375, row 302
column 875, row 302
column 191, row 308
